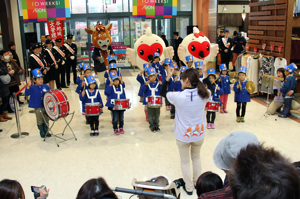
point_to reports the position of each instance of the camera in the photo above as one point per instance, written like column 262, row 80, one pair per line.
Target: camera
column 36, row 191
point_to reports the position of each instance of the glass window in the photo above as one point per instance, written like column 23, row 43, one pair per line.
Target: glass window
column 184, row 5
column 78, row 6
column 181, row 25
column 96, row 6
column 99, row 6
column 138, row 28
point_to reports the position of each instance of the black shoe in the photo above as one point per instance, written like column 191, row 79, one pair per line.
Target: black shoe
column 68, row 84
column 172, row 117
column 48, row 135
column 1, row 130
column 65, row 87
column 157, row 129
column 187, row 192
column 179, row 183
column 153, row 129
column 21, row 102
column 92, row 133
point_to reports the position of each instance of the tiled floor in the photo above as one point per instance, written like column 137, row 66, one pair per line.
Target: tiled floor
column 138, row 153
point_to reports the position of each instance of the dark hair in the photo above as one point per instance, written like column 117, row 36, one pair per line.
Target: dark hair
column 282, row 70
column 10, row 44
column 235, row 33
column 176, row 33
column 297, row 166
column 193, row 76
column 11, row 189
column 91, row 84
column 3, row 52
column 95, row 189
column 43, row 35
column 208, row 182
column 112, row 61
column 260, row 172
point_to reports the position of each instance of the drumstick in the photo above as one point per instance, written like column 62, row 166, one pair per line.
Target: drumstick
column 240, row 85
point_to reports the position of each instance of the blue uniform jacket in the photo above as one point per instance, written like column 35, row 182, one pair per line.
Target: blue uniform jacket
column 109, row 91
column 176, row 86
column 225, row 84
column 289, row 84
column 36, row 95
column 157, row 66
column 147, row 91
column 142, row 81
column 216, row 95
column 86, row 100
column 241, row 96
column 78, row 82
column 172, row 82
column 163, row 73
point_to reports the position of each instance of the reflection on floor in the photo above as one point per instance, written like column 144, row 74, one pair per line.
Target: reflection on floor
column 138, row 153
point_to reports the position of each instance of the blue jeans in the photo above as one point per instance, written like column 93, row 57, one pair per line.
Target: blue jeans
column 118, row 115
column 287, row 103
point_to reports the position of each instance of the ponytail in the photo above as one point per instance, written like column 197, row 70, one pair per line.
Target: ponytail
column 193, row 76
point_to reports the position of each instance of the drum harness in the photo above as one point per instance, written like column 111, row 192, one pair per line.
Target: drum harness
column 92, row 97
column 153, row 89
column 118, row 92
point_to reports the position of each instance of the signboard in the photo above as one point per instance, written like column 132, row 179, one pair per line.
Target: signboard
column 154, row 8
column 272, row 47
column 45, row 10
column 266, row 2
column 279, row 48
column 120, row 51
column 56, row 31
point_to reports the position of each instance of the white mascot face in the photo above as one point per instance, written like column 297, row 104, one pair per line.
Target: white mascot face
column 197, row 45
column 146, row 46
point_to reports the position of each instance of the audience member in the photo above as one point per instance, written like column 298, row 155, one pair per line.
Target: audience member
column 260, row 172
column 208, row 182
column 95, row 188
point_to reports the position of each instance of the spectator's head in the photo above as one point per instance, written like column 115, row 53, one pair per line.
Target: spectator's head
column 229, row 147
column 47, row 37
column 12, row 45
column 281, row 73
column 208, row 182
column 11, row 189
column 260, row 172
column 221, row 32
column 163, row 37
column 226, row 33
column 4, row 54
column 235, row 33
column 176, row 35
column 95, row 188
column 43, row 38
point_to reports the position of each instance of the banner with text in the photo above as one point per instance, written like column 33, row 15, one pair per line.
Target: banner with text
column 45, row 10
column 154, row 8
column 56, row 31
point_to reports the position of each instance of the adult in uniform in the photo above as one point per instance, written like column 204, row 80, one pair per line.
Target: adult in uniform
column 36, row 60
column 219, row 40
column 51, row 62
column 71, row 55
column 225, row 47
column 59, row 54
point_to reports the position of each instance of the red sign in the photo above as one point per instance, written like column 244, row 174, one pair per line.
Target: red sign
column 255, row 50
column 264, row 46
column 272, row 47
column 247, row 47
column 279, row 48
column 56, row 31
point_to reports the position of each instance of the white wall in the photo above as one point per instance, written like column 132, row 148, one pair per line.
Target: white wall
column 195, row 12
column 233, row 9
column 16, row 27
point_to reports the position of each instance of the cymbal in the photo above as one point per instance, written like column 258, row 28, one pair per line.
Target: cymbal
column 250, row 87
column 233, row 77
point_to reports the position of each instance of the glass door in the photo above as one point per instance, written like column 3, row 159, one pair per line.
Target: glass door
column 163, row 27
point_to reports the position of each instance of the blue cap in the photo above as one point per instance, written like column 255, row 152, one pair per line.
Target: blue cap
column 243, row 69
column 174, row 65
column 111, row 57
column 189, row 58
column 291, row 68
column 37, row 73
column 156, row 54
column 168, row 61
column 183, row 68
column 90, row 80
column 223, row 67
column 226, row 30
column 151, row 71
column 113, row 75
column 146, row 65
column 112, row 66
column 86, row 67
column 81, row 65
column 211, row 71
column 198, row 64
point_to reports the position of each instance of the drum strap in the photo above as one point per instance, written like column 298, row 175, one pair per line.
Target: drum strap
column 118, row 92
column 211, row 97
column 153, row 89
column 91, row 97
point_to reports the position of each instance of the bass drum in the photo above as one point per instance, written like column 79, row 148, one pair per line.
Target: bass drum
column 56, row 104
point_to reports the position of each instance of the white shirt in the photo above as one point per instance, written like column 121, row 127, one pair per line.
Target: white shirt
column 279, row 64
column 190, row 117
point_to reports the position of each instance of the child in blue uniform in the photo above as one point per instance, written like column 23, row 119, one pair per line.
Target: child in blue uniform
column 241, row 96
column 142, row 78
column 91, row 94
column 155, row 63
column 198, row 66
column 111, row 59
column 36, row 93
column 80, row 66
column 216, row 91
column 289, row 84
column 112, row 67
column 189, row 61
column 224, row 83
column 116, row 91
column 152, row 87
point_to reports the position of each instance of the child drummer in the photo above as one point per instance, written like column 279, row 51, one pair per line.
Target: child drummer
column 142, row 78
column 152, row 88
column 241, row 96
column 189, row 61
column 36, row 93
column 116, row 91
column 91, row 95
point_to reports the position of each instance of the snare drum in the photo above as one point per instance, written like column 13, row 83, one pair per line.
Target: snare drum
column 154, row 101
column 93, row 109
column 56, row 104
column 121, row 104
column 212, row 106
